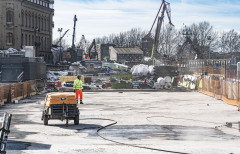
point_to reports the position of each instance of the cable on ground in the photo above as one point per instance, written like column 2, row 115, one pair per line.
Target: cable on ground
column 120, row 143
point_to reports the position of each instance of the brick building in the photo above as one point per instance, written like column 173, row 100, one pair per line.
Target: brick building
column 27, row 23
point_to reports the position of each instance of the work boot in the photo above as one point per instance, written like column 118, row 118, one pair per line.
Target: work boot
column 81, row 101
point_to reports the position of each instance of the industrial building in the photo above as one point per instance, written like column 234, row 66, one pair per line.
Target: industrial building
column 27, row 23
column 103, row 51
column 126, row 54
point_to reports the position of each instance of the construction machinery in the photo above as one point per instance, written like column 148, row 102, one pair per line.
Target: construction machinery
column 92, row 55
column 71, row 54
column 62, row 106
column 165, row 7
column 60, row 39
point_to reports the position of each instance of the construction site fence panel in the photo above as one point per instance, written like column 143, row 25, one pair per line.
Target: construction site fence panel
column 16, row 91
column 228, row 91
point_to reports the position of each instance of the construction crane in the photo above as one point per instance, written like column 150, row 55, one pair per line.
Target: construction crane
column 165, row 7
column 73, row 53
column 74, row 31
column 60, row 39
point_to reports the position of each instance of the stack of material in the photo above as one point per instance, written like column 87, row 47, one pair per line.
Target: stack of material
column 56, row 98
column 163, row 71
column 70, row 78
column 163, row 83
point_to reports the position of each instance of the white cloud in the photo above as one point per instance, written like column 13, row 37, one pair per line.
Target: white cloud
column 99, row 18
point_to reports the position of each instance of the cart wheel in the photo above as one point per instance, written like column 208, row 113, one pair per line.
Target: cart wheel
column 76, row 120
column 42, row 115
column 45, row 120
column 66, row 122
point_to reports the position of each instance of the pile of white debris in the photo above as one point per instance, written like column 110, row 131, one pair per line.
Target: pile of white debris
column 11, row 51
column 163, row 83
column 142, row 70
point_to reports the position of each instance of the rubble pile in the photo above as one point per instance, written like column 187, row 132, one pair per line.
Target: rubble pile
column 53, row 76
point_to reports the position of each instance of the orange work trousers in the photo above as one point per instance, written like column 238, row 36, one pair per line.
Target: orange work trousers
column 79, row 92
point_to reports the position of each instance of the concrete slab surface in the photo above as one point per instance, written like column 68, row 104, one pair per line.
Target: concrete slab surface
column 153, row 122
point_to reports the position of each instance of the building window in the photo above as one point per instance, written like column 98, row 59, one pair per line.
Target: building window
column 32, row 20
column 45, row 43
column 22, row 40
column 9, row 17
column 22, row 18
column 39, row 24
column 29, row 43
column 26, row 19
column 45, row 24
column 25, row 43
column 9, row 38
column 29, row 20
column 42, row 24
column 33, row 41
column 36, row 21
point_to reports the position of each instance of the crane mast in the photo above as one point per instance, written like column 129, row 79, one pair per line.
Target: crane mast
column 165, row 7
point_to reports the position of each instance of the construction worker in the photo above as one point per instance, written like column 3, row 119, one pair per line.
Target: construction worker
column 77, row 87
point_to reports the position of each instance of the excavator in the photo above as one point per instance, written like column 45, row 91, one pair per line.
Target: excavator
column 165, row 7
column 92, row 55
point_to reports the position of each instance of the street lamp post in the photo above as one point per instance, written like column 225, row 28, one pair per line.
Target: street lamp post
column 60, row 31
column 37, row 42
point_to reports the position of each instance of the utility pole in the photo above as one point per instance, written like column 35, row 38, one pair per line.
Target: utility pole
column 60, row 57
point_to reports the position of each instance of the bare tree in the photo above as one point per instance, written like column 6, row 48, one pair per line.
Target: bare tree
column 169, row 40
column 129, row 38
column 229, row 41
column 65, row 44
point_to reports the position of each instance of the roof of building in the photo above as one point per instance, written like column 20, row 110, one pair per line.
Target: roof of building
column 135, row 50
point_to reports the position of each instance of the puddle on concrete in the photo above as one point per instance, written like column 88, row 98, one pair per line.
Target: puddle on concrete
column 19, row 145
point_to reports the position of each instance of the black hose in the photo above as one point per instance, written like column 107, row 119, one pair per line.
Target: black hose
column 114, row 123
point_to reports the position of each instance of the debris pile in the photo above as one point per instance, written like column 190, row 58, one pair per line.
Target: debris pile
column 142, row 70
column 5, row 53
column 54, row 76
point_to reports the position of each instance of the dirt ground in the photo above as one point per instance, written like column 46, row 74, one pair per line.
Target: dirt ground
column 153, row 122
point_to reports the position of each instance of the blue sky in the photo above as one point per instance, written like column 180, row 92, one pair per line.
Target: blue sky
column 103, row 17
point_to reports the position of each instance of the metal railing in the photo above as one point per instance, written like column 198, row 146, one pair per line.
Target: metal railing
column 5, row 130
column 20, row 77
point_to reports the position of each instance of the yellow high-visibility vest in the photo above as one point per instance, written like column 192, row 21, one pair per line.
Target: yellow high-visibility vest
column 78, row 84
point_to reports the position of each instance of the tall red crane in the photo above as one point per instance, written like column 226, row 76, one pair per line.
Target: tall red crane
column 165, row 7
